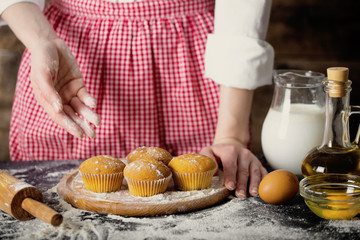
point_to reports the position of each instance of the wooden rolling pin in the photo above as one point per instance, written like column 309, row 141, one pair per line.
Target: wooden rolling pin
column 24, row 202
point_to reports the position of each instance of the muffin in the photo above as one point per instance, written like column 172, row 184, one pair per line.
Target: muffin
column 192, row 171
column 102, row 173
column 147, row 177
column 150, row 153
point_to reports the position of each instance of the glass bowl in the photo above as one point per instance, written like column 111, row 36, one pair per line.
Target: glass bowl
column 332, row 196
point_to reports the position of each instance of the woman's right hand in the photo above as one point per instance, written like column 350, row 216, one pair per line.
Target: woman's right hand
column 55, row 76
column 59, row 88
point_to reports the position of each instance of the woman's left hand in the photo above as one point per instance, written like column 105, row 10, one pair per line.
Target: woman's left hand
column 239, row 164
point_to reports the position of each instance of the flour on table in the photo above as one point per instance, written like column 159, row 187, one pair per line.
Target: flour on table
column 19, row 186
column 248, row 219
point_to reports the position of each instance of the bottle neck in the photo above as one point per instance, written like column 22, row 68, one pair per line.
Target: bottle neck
column 336, row 133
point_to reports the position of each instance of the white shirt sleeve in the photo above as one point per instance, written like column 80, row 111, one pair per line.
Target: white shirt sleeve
column 237, row 54
column 7, row 3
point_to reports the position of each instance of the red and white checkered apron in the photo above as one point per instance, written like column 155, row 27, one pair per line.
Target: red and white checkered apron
column 144, row 64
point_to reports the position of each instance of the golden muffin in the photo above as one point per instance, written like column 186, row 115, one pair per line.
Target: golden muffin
column 102, row 173
column 150, row 153
column 192, row 171
column 147, row 177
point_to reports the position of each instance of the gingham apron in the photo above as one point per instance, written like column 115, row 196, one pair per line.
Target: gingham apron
column 144, row 64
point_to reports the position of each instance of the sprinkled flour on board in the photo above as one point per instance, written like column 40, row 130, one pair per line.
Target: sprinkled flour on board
column 123, row 196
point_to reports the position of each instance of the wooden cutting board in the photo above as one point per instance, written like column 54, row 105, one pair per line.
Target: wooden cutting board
column 72, row 189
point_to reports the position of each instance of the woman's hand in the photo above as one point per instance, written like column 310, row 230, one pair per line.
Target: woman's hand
column 232, row 136
column 241, row 167
column 55, row 75
column 59, row 88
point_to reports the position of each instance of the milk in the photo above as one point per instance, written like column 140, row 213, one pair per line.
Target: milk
column 289, row 135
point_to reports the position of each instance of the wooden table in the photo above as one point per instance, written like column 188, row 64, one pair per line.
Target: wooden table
column 231, row 219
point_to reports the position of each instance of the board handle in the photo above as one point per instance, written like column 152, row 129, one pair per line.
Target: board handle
column 41, row 211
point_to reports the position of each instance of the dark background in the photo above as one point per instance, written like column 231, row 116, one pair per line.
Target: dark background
column 307, row 34
column 312, row 35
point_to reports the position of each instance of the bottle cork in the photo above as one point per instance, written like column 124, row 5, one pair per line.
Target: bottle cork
column 340, row 74
column 337, row 77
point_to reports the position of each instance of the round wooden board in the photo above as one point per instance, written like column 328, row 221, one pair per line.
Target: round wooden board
column 72, row 189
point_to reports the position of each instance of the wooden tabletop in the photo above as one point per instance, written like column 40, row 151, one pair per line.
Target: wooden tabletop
column 231, row 219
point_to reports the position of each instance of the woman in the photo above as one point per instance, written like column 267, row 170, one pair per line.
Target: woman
column 139, row 66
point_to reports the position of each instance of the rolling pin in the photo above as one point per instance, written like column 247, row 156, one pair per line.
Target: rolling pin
column 24, row 202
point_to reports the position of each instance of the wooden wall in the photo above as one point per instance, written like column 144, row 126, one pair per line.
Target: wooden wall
column 312, row 35
column 306, row 34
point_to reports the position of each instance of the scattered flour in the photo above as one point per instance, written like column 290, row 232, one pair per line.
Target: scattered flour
column 19, row 186
column 232, row 219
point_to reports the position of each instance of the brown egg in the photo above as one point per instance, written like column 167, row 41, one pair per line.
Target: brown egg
column 278, row 187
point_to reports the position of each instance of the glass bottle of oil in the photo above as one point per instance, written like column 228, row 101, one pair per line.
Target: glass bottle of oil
column 336, row 154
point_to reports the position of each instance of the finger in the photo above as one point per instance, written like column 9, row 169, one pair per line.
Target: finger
column 207, row 151
column 255, row 177
column 264, row 172
column 63, row 121
column 84, row 125
column 86, row 98
column 70, row 89
column 243, row 173
column 229, row 161
column 69, row 93
column 85, row 111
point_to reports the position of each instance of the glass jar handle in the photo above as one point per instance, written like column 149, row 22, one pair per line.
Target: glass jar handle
column 355, row 110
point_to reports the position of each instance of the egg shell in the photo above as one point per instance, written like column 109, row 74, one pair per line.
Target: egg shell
column 278, row 187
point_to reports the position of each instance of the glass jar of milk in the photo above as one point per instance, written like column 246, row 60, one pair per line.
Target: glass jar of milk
column 296, row 119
